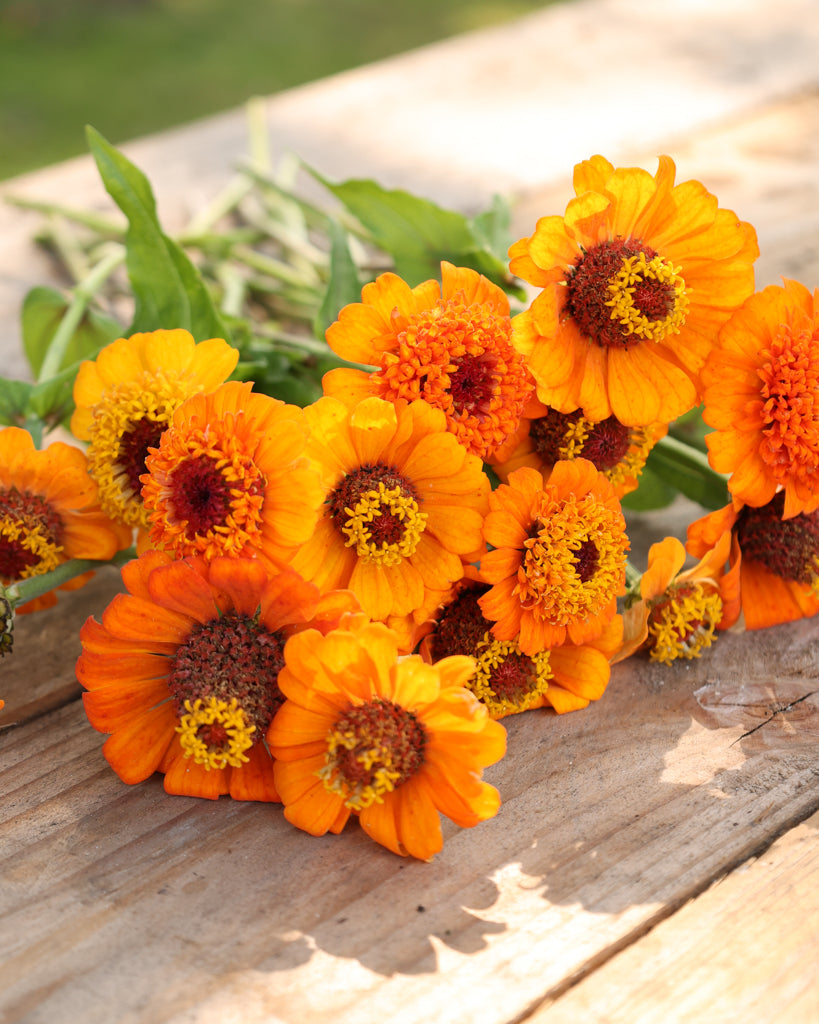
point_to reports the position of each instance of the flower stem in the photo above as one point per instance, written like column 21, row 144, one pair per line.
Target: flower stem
column 35, row 586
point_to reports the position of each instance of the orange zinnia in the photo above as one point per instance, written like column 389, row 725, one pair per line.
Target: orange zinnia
column 762, row 395
column 230, row 477
column 404, row 504
column 183, row 670
column 125, row 399
column 49, row 512
column 395, row 741
column 547, row 436
column 446, row 344
column 677, row 613
column 637, row 278
column 508, row 681
column 559, row 559
column 777, row 559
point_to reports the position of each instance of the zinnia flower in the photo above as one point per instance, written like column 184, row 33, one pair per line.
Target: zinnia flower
column 762, row 395
column 183, row 670
column 403, row 508
column 125, row 399
column 777, row 559
column 448, row 345
column 677, row 613
column 547, row 436
column 637, row 278
column 393, row 741
column 508, row 681
column 49, row 512
column 230, row 477
column 559, row 559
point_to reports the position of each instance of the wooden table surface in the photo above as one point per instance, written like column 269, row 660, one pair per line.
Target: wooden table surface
column 656, row 857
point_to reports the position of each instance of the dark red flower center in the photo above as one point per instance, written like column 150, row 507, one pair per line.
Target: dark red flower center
column 587, row 292
column 789, row 548
column 390, row 730
column 29, row 513
column 232, row 657
column 461, row 626
column 384, row 528
column 200, row 495
column 548, row 433
column 586, row 560
column 474, row 384
column 513, row 679
column 133, row 448
column 607, row 444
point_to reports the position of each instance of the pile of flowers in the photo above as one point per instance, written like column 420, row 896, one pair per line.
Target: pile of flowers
column 332, row 605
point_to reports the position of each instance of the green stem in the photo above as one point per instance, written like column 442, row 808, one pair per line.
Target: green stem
column 83, row 293
column 633, row 576
column 102, row 225
column 35, row 586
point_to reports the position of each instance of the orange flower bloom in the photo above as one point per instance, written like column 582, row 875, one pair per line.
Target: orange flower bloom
column 762, row 395
column 777, row 559
column 404, row 504
column 559, row 559
column 230, row 477
column 508, row 681
column 49, row 512
column 183, row 670
column 547, row 436
column 448, row 345
column 677, row 613
column 393, row 741
column 125, row 399
column 637, row 279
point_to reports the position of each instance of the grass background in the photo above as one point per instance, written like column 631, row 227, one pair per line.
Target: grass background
column 130, row 67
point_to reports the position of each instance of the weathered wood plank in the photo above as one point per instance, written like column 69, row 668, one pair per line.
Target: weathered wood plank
column 167, row 908
column 744, row 950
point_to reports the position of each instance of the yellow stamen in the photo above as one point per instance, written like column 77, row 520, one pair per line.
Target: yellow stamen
column 621, row 288
column 682, row 622
column 574, row 438
column 370, row 506
column 378, row 772
column 33, row 539
column 491, row 654
column 215, row 717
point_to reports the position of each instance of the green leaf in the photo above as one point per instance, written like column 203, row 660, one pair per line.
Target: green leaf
column 416, row 232
column 343, row 286
column 687, row 470
column 14, row 395
column 651, row 493
column 168, row 288
column 43, row 310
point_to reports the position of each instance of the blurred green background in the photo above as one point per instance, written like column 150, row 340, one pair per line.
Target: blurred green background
column 130, row 67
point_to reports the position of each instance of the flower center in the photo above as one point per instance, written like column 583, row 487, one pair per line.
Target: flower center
column 224, row 683
column 790, row 413
column 128, row 420
column 459, row 358
column 605, row 443
column 371, row 750
column 506, row 680
column 573, row 561
column 789, row 548
column 203, row 492
column 30, row 535
column 461, row 625
column 377, row 511
column 682, row 622
column 620, row 292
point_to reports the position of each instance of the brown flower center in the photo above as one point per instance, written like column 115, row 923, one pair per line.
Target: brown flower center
column 461, row 625
column 133, row 449
column 31, row 534
column 789, row 548
column 230, row 659
column 200, row 495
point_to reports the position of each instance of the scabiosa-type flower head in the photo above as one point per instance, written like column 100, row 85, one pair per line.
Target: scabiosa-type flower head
column 637, row 278
column 777, row 558
column 230, row 477
column 558, row 563
column 49, row 512
column 183, row 670
column 392, row 740
column 448, row 345
column 404, row 504
column 125, row 398
column 762, row 396
column 676, row 614
column 508, row 681
column 547, row 436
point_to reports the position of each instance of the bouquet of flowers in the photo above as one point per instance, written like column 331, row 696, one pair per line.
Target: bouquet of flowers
column 364, row 473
